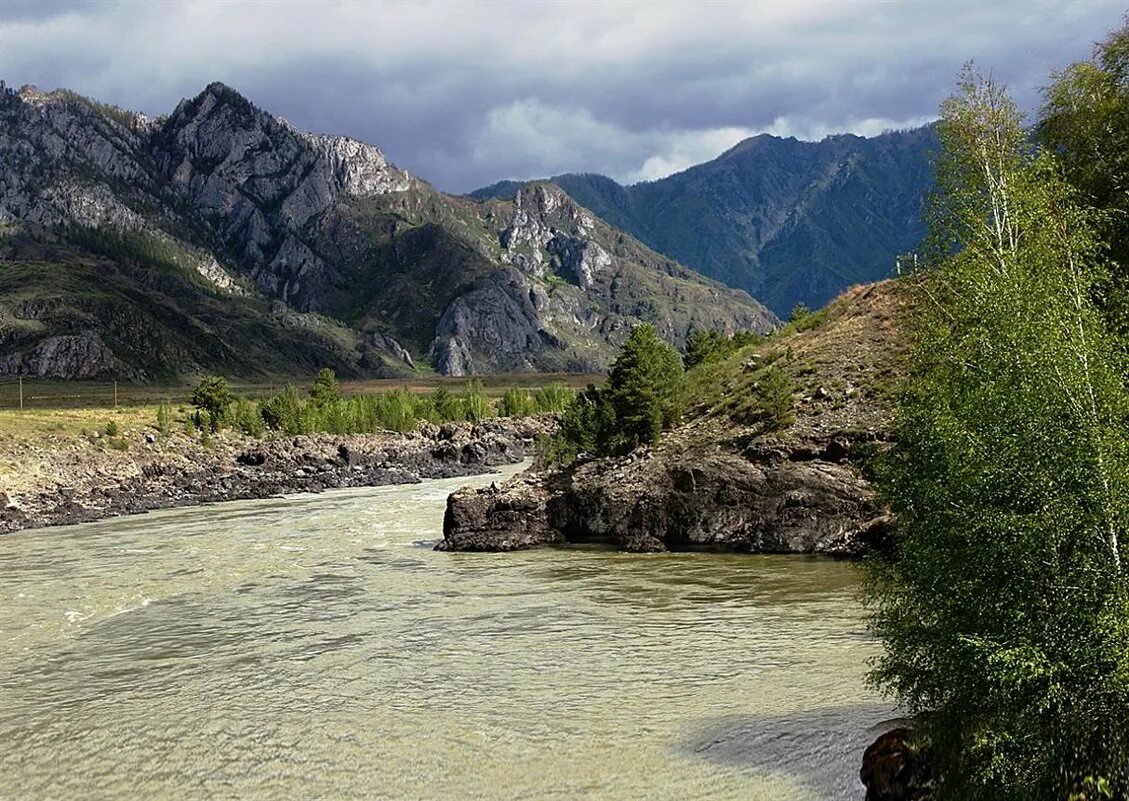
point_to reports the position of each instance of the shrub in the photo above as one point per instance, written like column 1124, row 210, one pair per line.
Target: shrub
column 111, row 429
column 247, row 418
column 399, row 410
column 164, row 419
column 281, row 412
column 553, row 398
column 706, row 347
column 445, row 406
column 774, row 398
column 518, row 403
column 476, row 406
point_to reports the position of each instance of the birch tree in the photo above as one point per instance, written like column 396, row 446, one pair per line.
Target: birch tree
column 1004, row 606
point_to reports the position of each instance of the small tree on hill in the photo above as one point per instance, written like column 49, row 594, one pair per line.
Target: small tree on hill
column 212, row 396
column 326, row 389
column 704, row 346
column 644, row 390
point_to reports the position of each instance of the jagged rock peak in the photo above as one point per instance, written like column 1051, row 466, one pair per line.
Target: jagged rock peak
column 220, row 132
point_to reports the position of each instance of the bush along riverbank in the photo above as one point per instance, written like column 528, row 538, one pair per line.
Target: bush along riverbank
column 75, row 480
column 764, row 448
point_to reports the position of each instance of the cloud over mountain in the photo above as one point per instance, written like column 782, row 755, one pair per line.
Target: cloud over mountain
column 464, row 94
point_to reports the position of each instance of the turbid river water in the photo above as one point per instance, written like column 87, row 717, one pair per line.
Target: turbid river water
column 313, row 647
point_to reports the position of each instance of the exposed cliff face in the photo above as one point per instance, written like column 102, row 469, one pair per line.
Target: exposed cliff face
column 717, row 482
column 788, row 221
column 221, row 201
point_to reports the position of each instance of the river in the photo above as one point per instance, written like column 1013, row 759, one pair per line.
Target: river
column 315, row 647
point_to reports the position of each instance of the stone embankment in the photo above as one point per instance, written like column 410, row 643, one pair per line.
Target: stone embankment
column 82, row 480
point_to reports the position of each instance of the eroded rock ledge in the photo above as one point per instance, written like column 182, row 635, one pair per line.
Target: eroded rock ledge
column 712, row 493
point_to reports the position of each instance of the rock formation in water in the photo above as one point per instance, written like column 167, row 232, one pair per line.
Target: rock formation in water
column 721, row 483
column 221, row 238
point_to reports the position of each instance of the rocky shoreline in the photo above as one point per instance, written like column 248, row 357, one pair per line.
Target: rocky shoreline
column 704, row 488
column 724, row 482
column 82, row 480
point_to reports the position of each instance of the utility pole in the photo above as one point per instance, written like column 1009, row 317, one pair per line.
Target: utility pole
column 21, row 393
column 115, row 394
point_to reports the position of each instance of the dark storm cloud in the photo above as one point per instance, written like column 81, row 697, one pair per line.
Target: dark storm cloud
column 465, row 94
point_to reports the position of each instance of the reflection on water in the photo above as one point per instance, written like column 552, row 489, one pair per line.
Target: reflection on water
column 313, row 647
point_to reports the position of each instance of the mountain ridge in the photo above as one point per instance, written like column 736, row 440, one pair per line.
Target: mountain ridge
column 787, row 220
column 239, row 225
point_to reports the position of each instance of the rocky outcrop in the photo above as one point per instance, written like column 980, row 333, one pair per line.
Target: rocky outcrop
column 567, row 298
column 83, row 356
column 895, row 768
column 257, row 181
column 83, row 480
column 769, row 497
column 720, row 481
column 507, row 518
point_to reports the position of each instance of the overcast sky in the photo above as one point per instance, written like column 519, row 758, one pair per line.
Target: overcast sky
column 464, row 94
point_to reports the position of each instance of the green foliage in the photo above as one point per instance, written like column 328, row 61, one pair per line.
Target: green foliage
column 644, row 390
column 211, row 396
column 749, row 388
column 476, row 406
column 247, row 418
column 138, row 248
column 771, row 399
column 587, row 426
column 116, row 113
column 119, row 444
column 326, row 389
column 1004, row 606
column 281, row 412
column 111, row 429
column 164, row 419
column 703, row 346
column 518, row 403
column 553, row 398
column 445, row 406
column 710, row 345
column 643, row 398
column 1085, row 122
column 803, row 319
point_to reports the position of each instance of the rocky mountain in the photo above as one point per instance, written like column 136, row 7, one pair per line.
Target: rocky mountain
column 221, row 238
column 787, row 221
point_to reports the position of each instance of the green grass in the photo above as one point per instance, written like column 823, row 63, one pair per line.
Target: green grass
column 43, row 396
